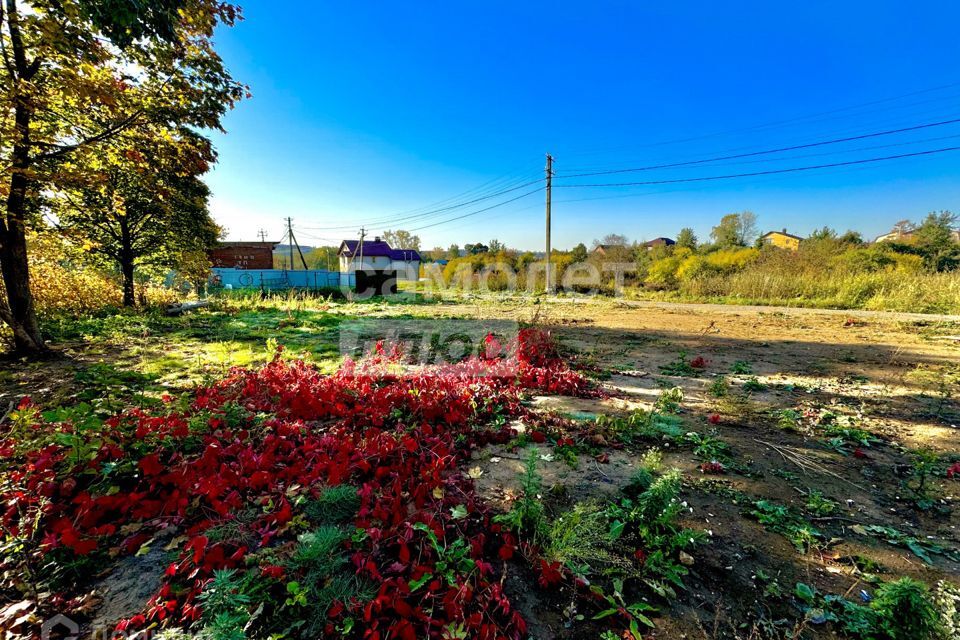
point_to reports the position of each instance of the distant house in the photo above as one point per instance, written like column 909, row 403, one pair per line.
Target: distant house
column 658, row 242
column 904, row 235
column 242, row 255
column 377, row 255
column 607, row 249
column 781, row 240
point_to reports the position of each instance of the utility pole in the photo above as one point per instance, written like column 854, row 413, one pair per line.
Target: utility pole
column 548, row 279
column 290, row 239
column 263, row 235
column 363, row 233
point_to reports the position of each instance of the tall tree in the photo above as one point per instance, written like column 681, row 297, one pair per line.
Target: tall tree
column 578, row 253
column 75, row 74
column 935, row 239
column 453, row 252
column 612, row 240
column 142, row 201
column 686, row 238
column 476, row 249
column 401, row 239
column 735, row 230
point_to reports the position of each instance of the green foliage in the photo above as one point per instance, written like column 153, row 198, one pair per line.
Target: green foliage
column 905, row 610
column 947, row 600
column 650, row 465
column 925, row 465
column 669, row 400
column 225, row 606
column 819, row 505
column 741, row 367
column 827, row 271
column 900, row 610
column 320, row 561
column 708, row 447
column 527, row 513
column 752, row 384
column 643, row 425
column 788, row 419
column 580, row 539
column 735, row 230
column 453, row 559
column 923, row 549
column 335, row 505
column 686, row 239
column 649, row 522
column 63, row 86
column 719, row 388
column 787, row 523
column 617, row 604
column 680, row 367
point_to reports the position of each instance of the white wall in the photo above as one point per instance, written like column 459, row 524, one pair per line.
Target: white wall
column 354, row 264
column 407, row 269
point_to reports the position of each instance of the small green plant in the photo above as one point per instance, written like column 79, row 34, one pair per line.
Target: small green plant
column 790, row 525
column 739, row 405
column 905, row 610
column 900, row 610
column 741, row 367
column 225, row 606
column 649, row 522
column 635, row 611
column 650, row 464
column 680, row 367
column 753, row 384
column 669, row 400
column 642, row 425
column 320, row 561
column 453, row 559
column 788, row 419
column 335, row 505
column 708, row 447
column 719, row 388
column 924, row 466
column 527, row 515
column 923, row 549
column 819, row 505
column 581, row 540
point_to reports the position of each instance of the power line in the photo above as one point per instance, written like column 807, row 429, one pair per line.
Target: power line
column 766, row 151
column 779, row 123
column 764, row 173
column 429, row 214
column 473, row 213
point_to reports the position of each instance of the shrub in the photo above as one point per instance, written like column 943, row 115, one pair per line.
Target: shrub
column 906, row 611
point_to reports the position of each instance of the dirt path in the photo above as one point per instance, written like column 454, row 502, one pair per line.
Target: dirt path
column 894, row 316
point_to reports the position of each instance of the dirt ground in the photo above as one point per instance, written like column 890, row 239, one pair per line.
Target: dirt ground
column 893, row 379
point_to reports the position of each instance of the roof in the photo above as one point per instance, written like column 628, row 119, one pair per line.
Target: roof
column 376, row 249
column 657, row 241
column 780, row 233
column 243, row 243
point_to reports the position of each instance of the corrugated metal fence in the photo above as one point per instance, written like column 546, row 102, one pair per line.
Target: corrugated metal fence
column 282, row 279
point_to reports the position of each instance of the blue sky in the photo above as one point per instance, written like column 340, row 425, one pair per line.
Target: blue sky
column 363, row 112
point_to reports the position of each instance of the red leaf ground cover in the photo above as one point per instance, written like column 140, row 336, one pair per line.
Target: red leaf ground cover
column 268, row 440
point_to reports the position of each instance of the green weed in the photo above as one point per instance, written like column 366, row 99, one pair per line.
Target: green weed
column 786, row 522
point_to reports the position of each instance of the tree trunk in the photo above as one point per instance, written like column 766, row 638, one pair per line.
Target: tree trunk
column 129, row 297
column 20, row 313
column 126, row 263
